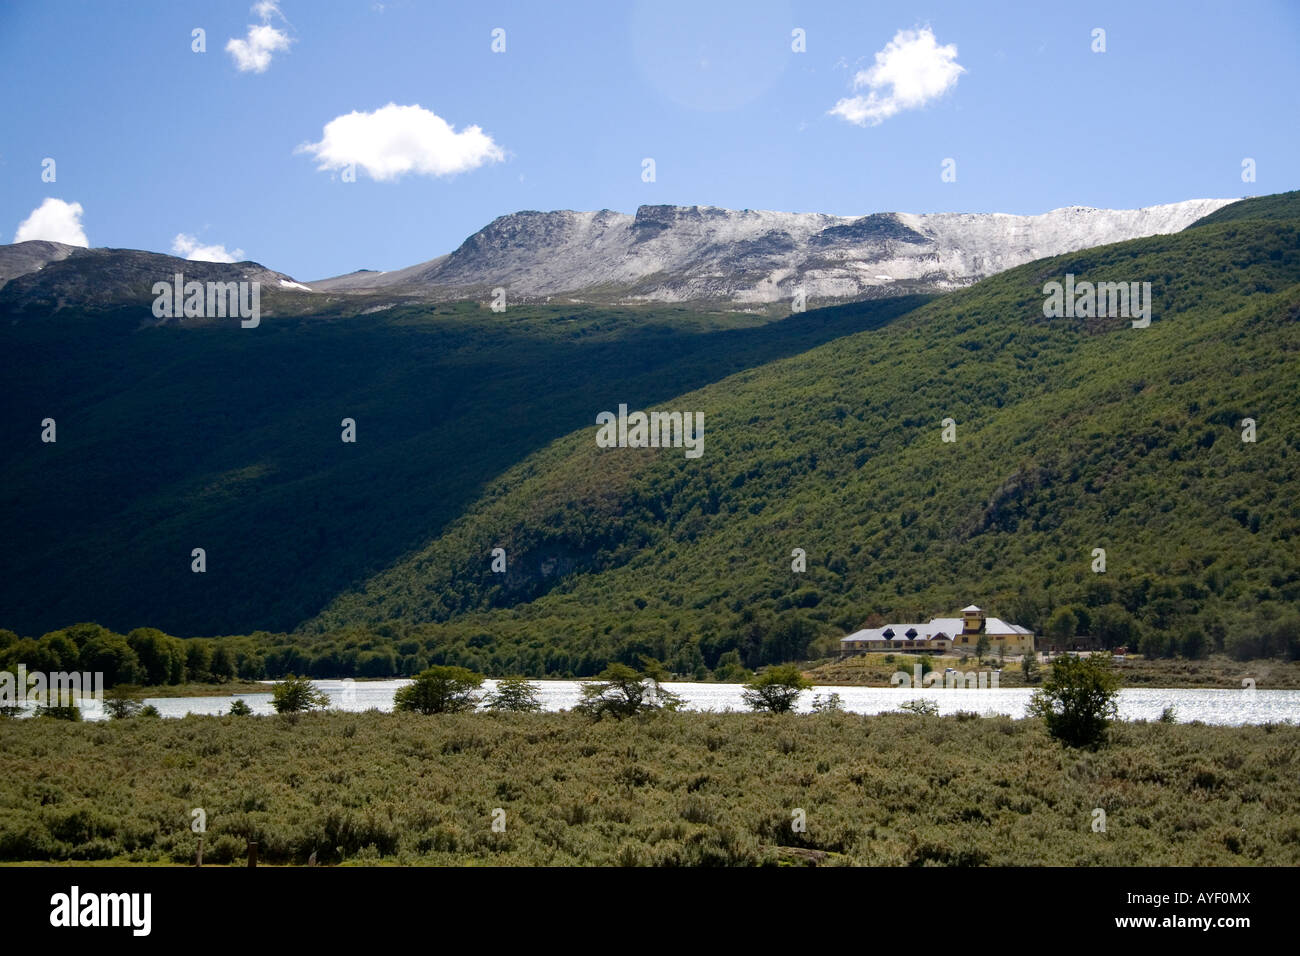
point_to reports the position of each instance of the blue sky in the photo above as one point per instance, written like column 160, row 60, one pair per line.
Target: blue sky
column 155, row 141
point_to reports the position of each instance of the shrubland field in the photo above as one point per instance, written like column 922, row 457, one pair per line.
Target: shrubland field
column 668, row 789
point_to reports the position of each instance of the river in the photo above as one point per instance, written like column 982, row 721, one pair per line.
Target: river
column 1212, row 706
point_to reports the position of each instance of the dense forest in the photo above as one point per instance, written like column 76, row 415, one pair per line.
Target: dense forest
column 1071, row 435
column 176, row 437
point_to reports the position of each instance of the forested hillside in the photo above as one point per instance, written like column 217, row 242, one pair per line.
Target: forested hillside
column 822, row 432
column 1072, row 435
column 229, row 439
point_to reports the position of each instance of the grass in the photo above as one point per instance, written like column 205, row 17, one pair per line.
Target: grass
column 1215, row 671
column 673, row 789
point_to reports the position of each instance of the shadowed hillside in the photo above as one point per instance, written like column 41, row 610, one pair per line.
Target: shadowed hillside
column 203, row 435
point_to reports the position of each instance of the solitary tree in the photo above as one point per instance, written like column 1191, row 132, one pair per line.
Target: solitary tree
column 514, row 694
column 776, row 689
column 1077, row 700
column 982, row 648
column 439, row 690
column 122, row 701
column 619, row 691
column 239, row 707
column 295, row 694
column 1029, row 667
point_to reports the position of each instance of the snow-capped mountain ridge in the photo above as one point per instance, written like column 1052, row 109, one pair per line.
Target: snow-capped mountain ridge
column 754, row 257
column 699, row 254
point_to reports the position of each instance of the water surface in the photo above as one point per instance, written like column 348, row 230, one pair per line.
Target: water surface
column 1212, row 706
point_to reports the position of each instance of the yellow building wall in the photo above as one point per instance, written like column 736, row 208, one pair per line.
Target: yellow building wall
column 1012, row 645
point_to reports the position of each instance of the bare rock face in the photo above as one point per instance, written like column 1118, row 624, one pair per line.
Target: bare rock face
column 752, row 258
column 23, row 258
column 698, row 254
column 41, row 281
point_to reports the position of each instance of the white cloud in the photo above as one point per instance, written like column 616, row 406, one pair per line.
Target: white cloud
column 54, row 221
column 253, row 53
column 395, row 140
column 189, row 247
column 910, row 71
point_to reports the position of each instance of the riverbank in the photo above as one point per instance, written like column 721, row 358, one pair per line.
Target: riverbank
column 673, row 789
column 227, row 689
column 1217, row 672
column 1211, row 706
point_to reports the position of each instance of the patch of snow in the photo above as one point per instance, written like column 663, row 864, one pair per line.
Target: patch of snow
column 686, row 253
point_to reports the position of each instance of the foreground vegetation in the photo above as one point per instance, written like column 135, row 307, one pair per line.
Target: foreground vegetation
column 664, row 789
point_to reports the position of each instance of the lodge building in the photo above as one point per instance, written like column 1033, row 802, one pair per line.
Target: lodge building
column 943, row 635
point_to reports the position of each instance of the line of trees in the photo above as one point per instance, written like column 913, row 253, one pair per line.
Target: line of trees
column 144, row 656
column 1077, row 701
column 149, row 657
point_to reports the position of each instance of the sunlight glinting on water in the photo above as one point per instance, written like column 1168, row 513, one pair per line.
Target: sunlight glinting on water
column 1212, row 706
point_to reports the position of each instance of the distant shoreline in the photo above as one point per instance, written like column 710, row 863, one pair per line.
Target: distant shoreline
column 1217, row 672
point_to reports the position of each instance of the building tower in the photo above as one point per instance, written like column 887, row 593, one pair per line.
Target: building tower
column 972, row 620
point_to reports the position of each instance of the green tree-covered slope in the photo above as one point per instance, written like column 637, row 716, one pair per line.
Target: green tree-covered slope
column 194, row 435
column 1072, row 435
column 1276, row 206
